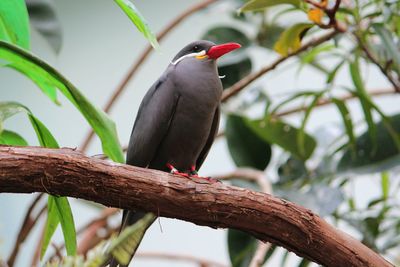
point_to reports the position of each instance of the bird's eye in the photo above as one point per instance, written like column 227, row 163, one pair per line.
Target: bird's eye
column 196, row 48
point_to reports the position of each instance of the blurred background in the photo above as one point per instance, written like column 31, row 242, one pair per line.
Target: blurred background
column 98, row 44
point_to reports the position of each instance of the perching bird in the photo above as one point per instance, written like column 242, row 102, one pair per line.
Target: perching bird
column 179, row 116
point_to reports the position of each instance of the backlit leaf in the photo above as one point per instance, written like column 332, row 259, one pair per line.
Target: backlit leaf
column 290, row 40
column 315, row 15
column 256, row 5
column 12, row 138
column 14, row 23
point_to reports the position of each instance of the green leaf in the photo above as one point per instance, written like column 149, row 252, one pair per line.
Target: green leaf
column 100, row 122
column 364, row 98
column 234, row 69
column 246, row 148
column 348, row 123
column 310, row 56
column 389, row 44
column 268, row 35
column 290, row 40
column 256, row 5
column 139, row 21
column 277, row 132
column 226, row 34
column 14, row 23
column 12, row 138
column 43, row 83
column 293, row 169
column 369, row 158
column 45, row 138
column 128, row 241
column 385, row 185
column 44, row 19
column 67, row 223
column 332, row 74
column 51, row 224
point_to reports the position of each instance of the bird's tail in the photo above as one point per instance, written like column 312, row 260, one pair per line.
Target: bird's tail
column 128, row 218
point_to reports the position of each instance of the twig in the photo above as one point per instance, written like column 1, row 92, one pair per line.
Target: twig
column 240, row 85
column 26, row 228
column 267, row 218
column 178, row 257
column 136, row 66
column 376, row 62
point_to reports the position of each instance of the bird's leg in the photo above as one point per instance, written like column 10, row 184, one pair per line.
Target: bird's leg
column 173, row 170
column 194, row 174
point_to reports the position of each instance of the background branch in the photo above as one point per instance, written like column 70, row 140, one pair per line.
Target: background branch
column 70, row 173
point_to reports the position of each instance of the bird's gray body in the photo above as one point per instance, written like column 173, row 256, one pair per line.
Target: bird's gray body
column 177, row 119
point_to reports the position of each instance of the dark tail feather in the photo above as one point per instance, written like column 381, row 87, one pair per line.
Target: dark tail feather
column 128, row 218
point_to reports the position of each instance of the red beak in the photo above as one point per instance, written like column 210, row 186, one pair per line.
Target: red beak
column 217, row 51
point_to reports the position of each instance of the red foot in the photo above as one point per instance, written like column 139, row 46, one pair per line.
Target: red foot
column 194, row 174
column 175, row 171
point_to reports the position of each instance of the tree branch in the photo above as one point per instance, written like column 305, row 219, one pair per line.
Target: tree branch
column 70, row 173
column 143, row 56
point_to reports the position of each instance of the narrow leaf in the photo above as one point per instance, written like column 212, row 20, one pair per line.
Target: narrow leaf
column 51, row 224
column 100, row 122
column 14, row 23
column 385, row 184
column 348, row 123
column 256, row 5
column 67, row 224
column 139, row 21
column 290, row 40
column 388, row 42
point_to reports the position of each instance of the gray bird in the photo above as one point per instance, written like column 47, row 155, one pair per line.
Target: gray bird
column 179, row 116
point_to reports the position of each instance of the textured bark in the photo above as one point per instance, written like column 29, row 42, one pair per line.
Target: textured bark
column 70, row 173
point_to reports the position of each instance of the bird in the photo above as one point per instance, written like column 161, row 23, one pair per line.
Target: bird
column 178, row 118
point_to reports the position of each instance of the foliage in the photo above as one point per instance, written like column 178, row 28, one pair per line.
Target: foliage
column 319, row 171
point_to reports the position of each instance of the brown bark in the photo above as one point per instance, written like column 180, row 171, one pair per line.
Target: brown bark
column 69, row 173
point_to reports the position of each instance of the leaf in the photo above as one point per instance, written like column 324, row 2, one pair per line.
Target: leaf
column 346, row 117
column 268, row 35
column 389, row 44
column 385, row 185
column 246, row 148
column 14, row 23
column 284, row 135
column 256, row 5
column 139, row 21
column 290, row 40
column 369, row 158
column 128, row 241
column 315, row 15
column 12, row 138
column 234, row 70
column 100, row 122
column 293, row 169
column 310, row 55
column 226, row 34
column 67, row 223
column 332, row 74
column 44, row 19
column 51, row 224
column 364, row 98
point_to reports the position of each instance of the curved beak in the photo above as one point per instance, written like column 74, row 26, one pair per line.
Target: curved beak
column 217, row 51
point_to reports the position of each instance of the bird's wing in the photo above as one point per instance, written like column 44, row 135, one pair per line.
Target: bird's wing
column 152, row 122
column 210, row 140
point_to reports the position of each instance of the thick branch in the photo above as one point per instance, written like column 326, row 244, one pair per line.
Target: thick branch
column 69, row 173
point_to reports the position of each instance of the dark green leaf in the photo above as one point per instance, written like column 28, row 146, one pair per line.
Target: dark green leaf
column 225, row 34
column 284, row 135
column 139, row 21
column 268, row 35
column 44, row 19
column 234, row 70
column 256, row 5
column 67, row 223
column 101, row 123
column 14, row 23
column 368, row 158
column 51, row 224
column 246, row 148
column 290, row 40
column 46, row 139
column 12, row 138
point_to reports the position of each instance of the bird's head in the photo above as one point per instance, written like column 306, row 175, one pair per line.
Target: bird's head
column 204, row 50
